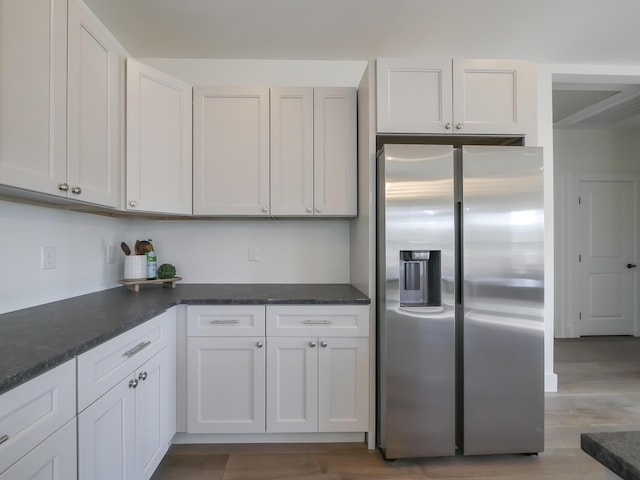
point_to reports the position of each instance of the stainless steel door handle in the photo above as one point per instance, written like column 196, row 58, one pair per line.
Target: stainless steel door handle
column 136, row 349
column 312, row 344
column 225, row 322
column 133, row 383
column 142, row 376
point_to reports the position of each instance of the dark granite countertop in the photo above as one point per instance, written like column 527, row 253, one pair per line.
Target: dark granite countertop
column 618, row 451
column 39, row 338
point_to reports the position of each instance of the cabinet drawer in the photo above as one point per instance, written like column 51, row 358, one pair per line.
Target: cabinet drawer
column 34, row 410
column 327, row 320
column 225, row 320
column 102, row 367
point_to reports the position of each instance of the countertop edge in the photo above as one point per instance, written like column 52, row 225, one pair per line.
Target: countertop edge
column 596, row 446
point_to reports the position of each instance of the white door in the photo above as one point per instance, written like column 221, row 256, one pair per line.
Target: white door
column 292, row 384
column 343, row 384
column 226, row 385
column 606, row 233
column 159, row 141
column 231, row 151
column 106, row 436
column 53, row 459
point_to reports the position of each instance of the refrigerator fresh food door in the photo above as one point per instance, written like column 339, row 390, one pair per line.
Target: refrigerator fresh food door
column 416, row 301
column 503, row 327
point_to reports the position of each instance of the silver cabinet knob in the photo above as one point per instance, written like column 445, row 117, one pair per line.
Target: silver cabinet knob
column 76, row 190
column 142, row 376
column 312, row 344
column 318, row 209
column 133, row 203
column 133, row 383
column 448, row 126
column 4, row 438
column 265, row 209
column 259, row 344
column 459, row 126
column 323, row 344
column 63, row 187
column 309, row 210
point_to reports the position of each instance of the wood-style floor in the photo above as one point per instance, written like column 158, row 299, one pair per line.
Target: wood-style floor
column 599, row 390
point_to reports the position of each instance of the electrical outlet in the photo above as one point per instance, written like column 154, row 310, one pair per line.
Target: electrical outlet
column 111, row 254
column 253, row 253
column 48, row 257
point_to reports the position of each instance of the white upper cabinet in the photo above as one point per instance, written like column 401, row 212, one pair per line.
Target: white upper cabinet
column 466, row 97
column 33, row 88
column 335, row 152
column 231, row 151
column 292, row 151
column 95, row 114
column 159, row 141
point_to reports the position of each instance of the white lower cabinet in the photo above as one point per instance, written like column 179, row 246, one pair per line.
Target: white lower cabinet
column 317, row 384
column 125, row 431
column 122, row 433
column 296, row 368
column 226, row 384
column 53, row 459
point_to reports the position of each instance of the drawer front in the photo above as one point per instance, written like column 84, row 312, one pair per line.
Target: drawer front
column 225, row 320
column 318, row 320
column 102, row 367
column 34, row 410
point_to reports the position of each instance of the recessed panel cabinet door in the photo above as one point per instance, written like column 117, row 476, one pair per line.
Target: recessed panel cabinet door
column 335, row 152
column 231, row 151
column 343, row 384
column 226, row 384
column 159, row 141
column 94, row 119
column 33, row 94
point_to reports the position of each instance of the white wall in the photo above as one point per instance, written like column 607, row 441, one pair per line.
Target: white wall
column 81, row 243
column 216, row 251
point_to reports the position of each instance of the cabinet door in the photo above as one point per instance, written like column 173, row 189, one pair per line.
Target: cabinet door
column 335, row 152
column 151, row 407
column 226, row 385
column 414, row 95
column 292, row 151
column 159, row 141
column 231, row 151
column 106, row 436
column 292, row 384
column 493, row 96
column 53, row 459
column 33, row 87
column 94, row 115
column 343, row 384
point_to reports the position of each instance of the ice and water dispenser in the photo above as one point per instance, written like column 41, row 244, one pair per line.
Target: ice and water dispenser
column 420, row 277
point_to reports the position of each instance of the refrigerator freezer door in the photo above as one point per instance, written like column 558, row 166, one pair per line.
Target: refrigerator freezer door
column 416, row 343
column 503, row 325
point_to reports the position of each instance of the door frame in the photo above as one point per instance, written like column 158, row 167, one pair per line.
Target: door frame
column 572, row 246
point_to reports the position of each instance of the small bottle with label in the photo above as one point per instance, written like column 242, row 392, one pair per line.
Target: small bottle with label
column 152, row 263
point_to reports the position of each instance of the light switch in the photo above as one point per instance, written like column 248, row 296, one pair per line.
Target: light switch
column 48, row 257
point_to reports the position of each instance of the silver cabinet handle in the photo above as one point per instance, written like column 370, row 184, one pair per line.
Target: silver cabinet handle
column 63, row 187
column 224, row 322
column 259, row 344
column 133, row 383
column 459, row 126
column 323, row 344
column 448, row 126
column 3, row 439
column 317, row 322
column 309, row 210
column 265, row 209
column 76, row 190
column 318, row 209
column 136, row 349
column 142, row 376
column 312, row 344
column 133, row 203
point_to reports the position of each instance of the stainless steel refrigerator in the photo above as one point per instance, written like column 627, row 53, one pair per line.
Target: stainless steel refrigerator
column 460, row 300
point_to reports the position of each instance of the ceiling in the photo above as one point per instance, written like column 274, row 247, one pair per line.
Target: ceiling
column 543, row 31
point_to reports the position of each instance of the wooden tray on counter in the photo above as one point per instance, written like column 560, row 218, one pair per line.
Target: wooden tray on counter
column 134, row 285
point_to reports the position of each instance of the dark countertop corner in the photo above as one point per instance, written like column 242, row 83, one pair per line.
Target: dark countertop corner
column 618, row 451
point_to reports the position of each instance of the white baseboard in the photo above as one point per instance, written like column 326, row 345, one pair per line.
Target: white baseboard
column 199, row 438
column 550, row 382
